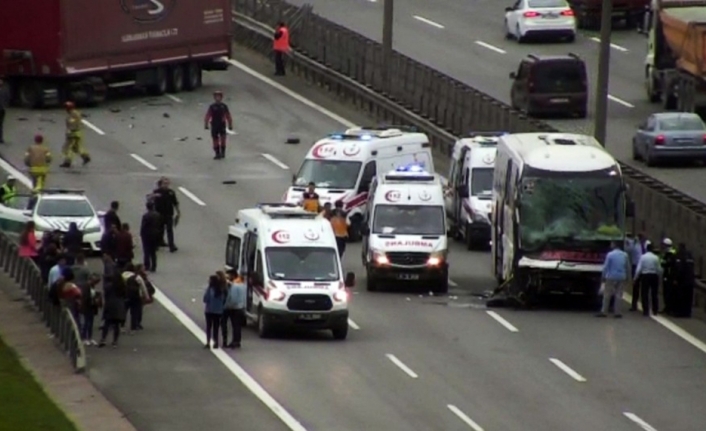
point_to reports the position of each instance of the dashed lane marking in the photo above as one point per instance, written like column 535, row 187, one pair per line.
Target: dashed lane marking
column 174, row 98
column 401, row 365
column 192, row 196
column 568, row 370
column 501, row 320
column 93, row 127
column 641, row 423
column 353, row 325
column 464, row 417
column 620, row 101
column 144, row 162
column 490, row 47
column 612, row 45
column 275, row 160
column 428, row 21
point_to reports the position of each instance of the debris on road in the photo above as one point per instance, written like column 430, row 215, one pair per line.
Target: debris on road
column 114, row 110
column 292, row 140
column 165, row 115
column 229, row 182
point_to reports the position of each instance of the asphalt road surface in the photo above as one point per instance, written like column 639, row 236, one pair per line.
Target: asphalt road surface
column 415, row 362
column 465, row 39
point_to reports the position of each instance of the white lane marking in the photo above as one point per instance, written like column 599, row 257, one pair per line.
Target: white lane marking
column 620, row 101
column 192, row 196
column 452, row 283
column 568, row 370
column 461, row 415
column 353, row 325
column 231, row 132
column 671, row 326
column 642, row 424
column 490, row 47
column 427, row 21
column 275, row 160
column 200, row 335
column 294, row 95
column 401, row 365
column 144, row 162
column 174, row 98
column 612, row 45
column 498, row 318
column 93, row 127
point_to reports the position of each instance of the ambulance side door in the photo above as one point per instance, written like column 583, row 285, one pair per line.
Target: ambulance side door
column 460, row 184
column 367, row 217
column 249, row 248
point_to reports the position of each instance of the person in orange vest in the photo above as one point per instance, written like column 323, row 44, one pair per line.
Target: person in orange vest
column 310, row 199
column 326, row 212
column 339, row 223
column 281, row 47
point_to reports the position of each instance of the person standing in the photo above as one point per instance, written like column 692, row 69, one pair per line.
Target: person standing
column 616, row 273
column 669, row 275
column 218, row 117
column 74, row 136
column 280, row 45
column 136, row 294
column 684, row 297
column 109, row 240
column 91, row 304
column 72, row 242
column 634, row 249
column 28, row 243
column 213, row 299
column 647, row 275
column 37, row 159
column 124, row 246
column 339, row 223
column 114, row 311
column 4, row 105
column 150, row 230
column 167, row 205
column 234, row 309
column 111, row 216
column 8, row 191
column 310, row 199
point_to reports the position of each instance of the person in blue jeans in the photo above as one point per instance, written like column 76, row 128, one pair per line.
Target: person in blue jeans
column 214, row 299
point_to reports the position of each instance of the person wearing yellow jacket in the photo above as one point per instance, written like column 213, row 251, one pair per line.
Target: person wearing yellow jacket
column 74, row 136
column 37, row 159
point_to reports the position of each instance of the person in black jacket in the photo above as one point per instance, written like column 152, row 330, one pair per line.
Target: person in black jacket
column 109, row 241
column 167, row 205
column 111, row 216
column 684, row 291
column 150, row 232
column 73, row 243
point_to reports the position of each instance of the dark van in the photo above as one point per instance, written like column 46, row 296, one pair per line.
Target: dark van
column 550, row 85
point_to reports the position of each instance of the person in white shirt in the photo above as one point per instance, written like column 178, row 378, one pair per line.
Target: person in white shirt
column 647, row 274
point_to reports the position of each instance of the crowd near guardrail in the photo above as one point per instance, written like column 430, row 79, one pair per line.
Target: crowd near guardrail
column 58, row 319
column 350, row 66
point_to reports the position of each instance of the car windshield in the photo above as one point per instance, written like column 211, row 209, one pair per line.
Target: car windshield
column 328, row 174
column 409, row 220
column 681, row 123
column 64, row 208
column 559, row 77
column 302, row 263
column 546, row 3
column 482, row 182
column 571, row 211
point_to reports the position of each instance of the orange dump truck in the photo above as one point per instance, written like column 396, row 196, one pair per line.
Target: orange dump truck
column 57, row 50
column 675, row 68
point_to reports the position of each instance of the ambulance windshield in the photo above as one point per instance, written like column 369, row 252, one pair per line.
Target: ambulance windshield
column 409, row 220
column 328, row 174
column 482, row 182
column 302, row 263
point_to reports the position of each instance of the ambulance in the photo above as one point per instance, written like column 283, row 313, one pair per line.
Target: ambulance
column 290, row 262
column 342, row 165
column 404, row 235
column 469, row 192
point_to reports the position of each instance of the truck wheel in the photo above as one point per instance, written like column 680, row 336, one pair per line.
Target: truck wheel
column 192, row 80
column 159, row 87
column 176, row 79
column 30, row 94
column 263, row 329
column 340, row 333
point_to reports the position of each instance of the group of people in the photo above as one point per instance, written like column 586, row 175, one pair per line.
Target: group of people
column 637, row 262
column 224, row 300
column 336, row 215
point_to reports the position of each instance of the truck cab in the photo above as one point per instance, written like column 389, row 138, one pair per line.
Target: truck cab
column 290, row 262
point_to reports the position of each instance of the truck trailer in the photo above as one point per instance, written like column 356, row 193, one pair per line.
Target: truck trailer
column 675, row 67
column 588, row 12
column 58, row 50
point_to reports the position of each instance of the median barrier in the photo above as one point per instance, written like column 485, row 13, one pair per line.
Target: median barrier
column 349, row 66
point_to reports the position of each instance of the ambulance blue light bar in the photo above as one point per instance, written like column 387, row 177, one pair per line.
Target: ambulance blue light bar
column 487, row 134
column 415, row 167
column 344, row 137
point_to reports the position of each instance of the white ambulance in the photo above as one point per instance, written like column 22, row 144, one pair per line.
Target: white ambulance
column 469, row 190
column 342, row 165
column 405, row 230
column 290, row 262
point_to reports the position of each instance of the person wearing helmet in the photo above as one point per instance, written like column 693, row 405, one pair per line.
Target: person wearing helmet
column 74, row 136
column 218, row 116
column 669, row 275
column 37, row 159
column 8, row 191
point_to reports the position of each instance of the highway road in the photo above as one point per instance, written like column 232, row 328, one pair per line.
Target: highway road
column 413, row 361
column 465, row 39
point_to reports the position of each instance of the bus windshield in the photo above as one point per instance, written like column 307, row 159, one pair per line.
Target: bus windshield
column 328, row 174
column 571, row 210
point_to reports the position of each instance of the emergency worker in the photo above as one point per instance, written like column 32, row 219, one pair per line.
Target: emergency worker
column 74, row 136
column 669, row 277
column 8, row 191
column 327, row 211
column 310, row 199
column 339, row 223
column 218, row 116
column 37, row 159
column 684, row 297
column 281, row 47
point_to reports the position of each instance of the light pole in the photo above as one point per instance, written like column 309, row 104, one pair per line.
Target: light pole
column 387, row 19
column 601, row 119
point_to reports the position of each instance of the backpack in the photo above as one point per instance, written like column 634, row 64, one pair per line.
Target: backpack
column 54, row 292
column 133, row 287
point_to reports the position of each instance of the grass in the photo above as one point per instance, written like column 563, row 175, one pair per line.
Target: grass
column 25, row 405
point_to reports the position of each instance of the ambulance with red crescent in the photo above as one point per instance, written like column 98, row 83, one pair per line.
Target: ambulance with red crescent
column 289, row 260
column 342, row 165
column 405, row 233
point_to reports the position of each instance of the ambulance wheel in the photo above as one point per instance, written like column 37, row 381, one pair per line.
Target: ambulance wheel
column 370, row 283
column 354, row 234
column 263, row 329
column 468, row 239
column 340, row 333
column 442, row 285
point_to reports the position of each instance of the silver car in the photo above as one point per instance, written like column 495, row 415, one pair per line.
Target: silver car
column 669, row 136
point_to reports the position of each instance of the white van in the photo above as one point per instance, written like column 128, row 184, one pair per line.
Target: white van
column 405, row 230
column 470, row 188
column 290, row 262
column 342, row 166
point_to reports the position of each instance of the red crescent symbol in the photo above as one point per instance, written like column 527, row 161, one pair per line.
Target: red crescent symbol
column 280, row 237
column 311, row 236
column 322, row 151
column 393, row 196
column 351, row 151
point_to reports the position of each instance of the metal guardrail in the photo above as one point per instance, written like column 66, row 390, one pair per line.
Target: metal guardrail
column 59, row 320
column 350, row 66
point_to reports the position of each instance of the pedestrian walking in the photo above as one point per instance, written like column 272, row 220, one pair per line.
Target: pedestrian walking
column 167, row 205
column 234, row 310
column 150, row 231
column 684, row 297
column 38, row 158
column 74, row 136
column 616, row 274
column 280, row 45
column 647, row 276
column 214, row 299
column 4, row 105
column 219, row 119
column 114, row 311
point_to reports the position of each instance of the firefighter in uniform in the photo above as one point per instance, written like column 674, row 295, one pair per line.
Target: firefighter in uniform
column 37, row 159
column 310, row 199
column 8, row 191
column 339, row 223
column 684, row 297
column 218, row 116
column 74, row 136
column 669, row 276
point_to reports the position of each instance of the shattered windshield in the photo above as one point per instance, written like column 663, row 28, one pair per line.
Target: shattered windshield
column 571, row 211
column 328, row 174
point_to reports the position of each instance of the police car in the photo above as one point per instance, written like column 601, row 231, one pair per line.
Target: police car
column 54, row 210
column 405, row 236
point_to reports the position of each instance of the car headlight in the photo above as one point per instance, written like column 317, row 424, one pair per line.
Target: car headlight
column 275, row 295
column 380, row 258
column 340, row 296
column 437, row 258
